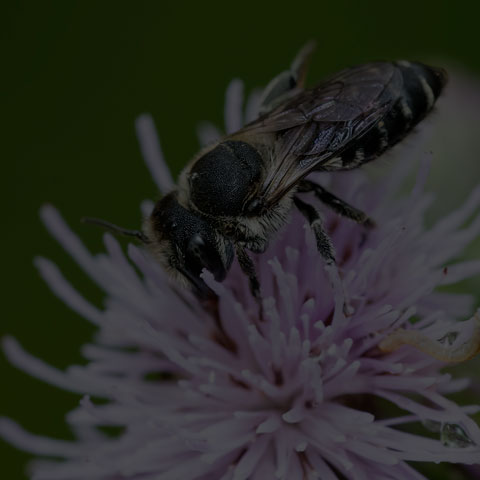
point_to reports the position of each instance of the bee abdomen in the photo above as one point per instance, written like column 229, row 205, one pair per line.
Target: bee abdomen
column 421, row 87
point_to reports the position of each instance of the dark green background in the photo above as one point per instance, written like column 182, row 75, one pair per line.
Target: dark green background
column 74, row 77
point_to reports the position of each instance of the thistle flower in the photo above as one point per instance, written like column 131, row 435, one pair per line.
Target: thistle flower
column 301, row 392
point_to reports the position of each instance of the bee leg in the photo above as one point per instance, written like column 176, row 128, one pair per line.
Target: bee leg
column 248, row 268
column 300, row 63
column 324, row 244
column 287, row 83
column 337, row 204
column 325, row 248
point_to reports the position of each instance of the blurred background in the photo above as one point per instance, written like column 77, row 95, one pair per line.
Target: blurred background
column 77, row 74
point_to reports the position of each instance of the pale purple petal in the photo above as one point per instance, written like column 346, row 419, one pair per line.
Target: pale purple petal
column 152, row 153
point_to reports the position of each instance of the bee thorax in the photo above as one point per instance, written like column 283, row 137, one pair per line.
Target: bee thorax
column 221, row 181
column 254, row 232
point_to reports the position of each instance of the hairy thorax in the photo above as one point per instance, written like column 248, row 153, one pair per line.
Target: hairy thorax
column 254, row 232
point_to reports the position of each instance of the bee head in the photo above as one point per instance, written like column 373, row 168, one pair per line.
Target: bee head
column 186, row 244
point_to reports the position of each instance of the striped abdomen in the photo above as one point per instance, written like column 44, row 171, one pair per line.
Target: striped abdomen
column 421, row 87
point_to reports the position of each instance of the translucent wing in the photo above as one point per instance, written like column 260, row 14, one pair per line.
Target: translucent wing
column 317, row 124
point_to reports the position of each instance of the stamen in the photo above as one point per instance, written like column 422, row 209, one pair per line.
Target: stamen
column 434, row 347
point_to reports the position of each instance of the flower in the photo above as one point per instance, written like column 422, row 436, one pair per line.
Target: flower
column 302, row 391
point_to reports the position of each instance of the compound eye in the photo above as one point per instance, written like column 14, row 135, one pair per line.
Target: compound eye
column 201, row 254
column 195, row 254
column 195, row 245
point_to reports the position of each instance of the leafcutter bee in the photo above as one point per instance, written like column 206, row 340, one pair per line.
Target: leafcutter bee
column 235, row 194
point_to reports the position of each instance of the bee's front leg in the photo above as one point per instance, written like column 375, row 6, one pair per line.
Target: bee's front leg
column 248, row 268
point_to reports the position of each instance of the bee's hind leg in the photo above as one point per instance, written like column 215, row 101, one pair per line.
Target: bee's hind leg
column 324, row 247
column 337, row 204
column 287, row 83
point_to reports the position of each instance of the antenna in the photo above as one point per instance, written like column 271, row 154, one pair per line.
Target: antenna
column 116, row 229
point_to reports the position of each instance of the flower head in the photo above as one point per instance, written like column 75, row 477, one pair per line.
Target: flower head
column 302, row 391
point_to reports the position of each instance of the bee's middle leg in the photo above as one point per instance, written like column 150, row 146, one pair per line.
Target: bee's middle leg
column 324, row 247
column 324, row 244
column 336, row 204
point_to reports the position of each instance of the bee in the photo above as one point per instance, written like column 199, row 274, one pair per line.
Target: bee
column 234, row 195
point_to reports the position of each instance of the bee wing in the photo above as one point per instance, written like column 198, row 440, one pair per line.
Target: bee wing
column 317, row 124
